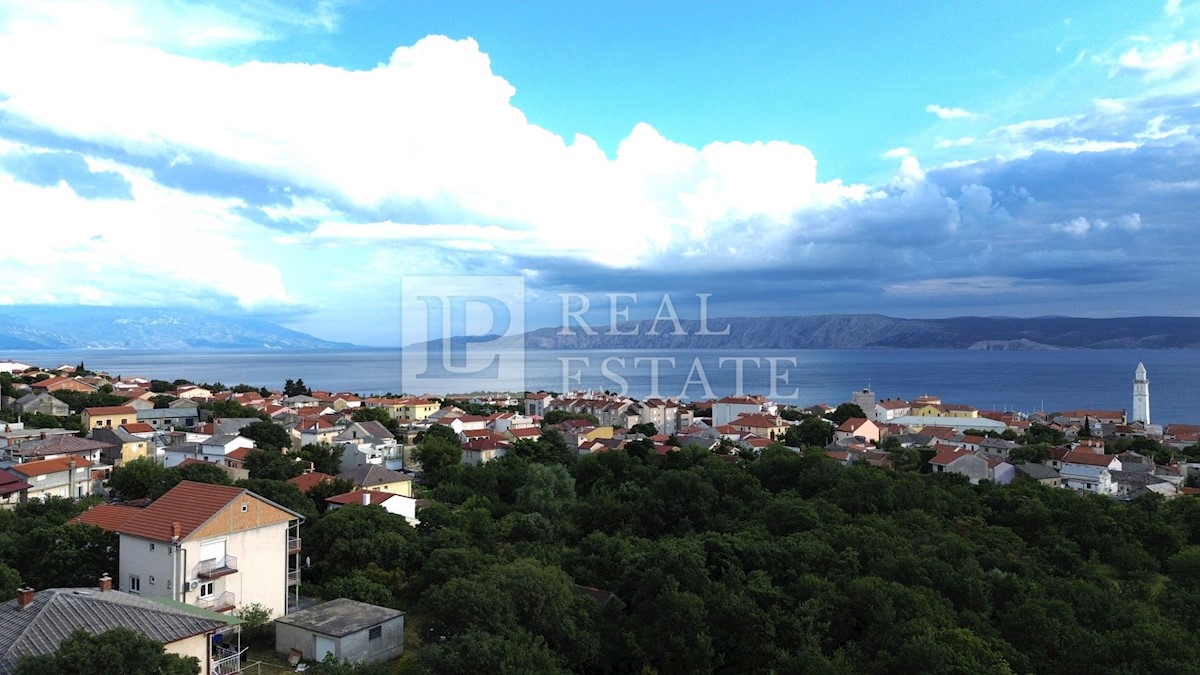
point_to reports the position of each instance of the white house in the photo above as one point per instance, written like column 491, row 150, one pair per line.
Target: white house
column 213, row 546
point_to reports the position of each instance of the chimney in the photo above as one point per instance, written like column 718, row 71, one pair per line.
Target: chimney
column 24, row 597
column 105, row 583
column 366, row 498
column 176, row 532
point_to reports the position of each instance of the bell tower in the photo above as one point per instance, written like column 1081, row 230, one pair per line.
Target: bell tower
column 1141, row 396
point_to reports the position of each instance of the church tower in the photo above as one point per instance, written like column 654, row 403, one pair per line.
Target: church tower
column 1141, row 396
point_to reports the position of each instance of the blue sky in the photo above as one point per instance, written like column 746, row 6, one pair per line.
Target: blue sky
column 296, row 160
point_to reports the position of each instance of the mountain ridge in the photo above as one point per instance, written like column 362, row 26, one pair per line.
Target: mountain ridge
column 44, row 327
column 878, row 331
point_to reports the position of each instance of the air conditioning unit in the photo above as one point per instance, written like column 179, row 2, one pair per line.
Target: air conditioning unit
column 193, row 584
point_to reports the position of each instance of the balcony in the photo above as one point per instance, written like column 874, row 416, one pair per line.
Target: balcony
column 226, row 661
column 293, row 577
column 212, row 569
column 219, row 603
column 293, row 545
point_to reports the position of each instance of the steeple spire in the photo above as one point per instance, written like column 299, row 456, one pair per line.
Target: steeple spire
column 1141, row 395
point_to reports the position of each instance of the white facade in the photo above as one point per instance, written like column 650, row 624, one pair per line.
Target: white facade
column 1141, row 395
column 1088, row 478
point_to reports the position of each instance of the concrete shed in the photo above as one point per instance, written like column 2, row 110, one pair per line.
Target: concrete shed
column 353, row 631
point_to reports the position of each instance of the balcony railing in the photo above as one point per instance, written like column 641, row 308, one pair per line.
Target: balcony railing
column 293, row 545
column 219, row 567
column 293, row 577
column 220, row 603
column 226, row 661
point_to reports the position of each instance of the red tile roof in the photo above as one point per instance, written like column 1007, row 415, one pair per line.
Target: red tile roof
column 47, row 466
column 1088, row 458
column 190, row 504
column 307, row 481
column 852, row 424
column 945, row 457
column 106, row 516
column 111, row 410
column 10, row 483
column 137, row 428
column 356, row 497
column 757, row 421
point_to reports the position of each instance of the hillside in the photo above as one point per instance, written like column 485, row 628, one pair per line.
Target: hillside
column 875, row 331
column 51, row 327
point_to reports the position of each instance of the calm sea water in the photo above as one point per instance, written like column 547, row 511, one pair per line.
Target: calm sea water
column 1027, row 381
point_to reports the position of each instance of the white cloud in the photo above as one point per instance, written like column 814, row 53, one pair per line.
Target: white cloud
column 159, row 247
column 1171, row 8
column 432, row 129
column 896, row 153
column 954, row 143
column 1081, row 226
column 1165, row 62
column 949, row 113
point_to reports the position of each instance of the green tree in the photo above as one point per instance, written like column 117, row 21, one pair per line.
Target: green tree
column 267, row 434
column 372, row 414
column 258, row 629
column 296, row 388
column 118, row 650
column 845, row 411
column 559, row 416
column 325, row 457
column 139, row 478
column 548, row 490
column 435, row 454
column 1042, row 433
column 328, row 488
column 811, row 431
column 203, row 472
column 646, row 428
column 271, row 464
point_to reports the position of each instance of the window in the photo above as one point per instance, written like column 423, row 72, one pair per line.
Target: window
column 151, row 546
column 151, row 579
column 245, row 508
column 135, row 583
column 206, row 589
column 375, row 633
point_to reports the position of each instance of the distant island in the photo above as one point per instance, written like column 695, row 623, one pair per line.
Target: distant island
column 92, row 327
column 876, row 331
column 47, row 327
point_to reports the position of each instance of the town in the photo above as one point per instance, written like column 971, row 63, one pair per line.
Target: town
column 221, row 500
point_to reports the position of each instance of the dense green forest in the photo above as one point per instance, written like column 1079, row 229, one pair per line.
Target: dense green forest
column 784, row 563
column 697, row 562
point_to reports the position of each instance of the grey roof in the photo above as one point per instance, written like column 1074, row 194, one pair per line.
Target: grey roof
column 1133, row 478
column 58, row 445
column 232, row 425
column 221, row 439
column 56, row 612
column 376, row 429
column 341, row 617
column 370, row 475
column 1036, row 471
column 114, row 436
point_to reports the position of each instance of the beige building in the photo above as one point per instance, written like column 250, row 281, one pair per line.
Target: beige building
column 68, row 477
column 212, row 546
column 110, row 416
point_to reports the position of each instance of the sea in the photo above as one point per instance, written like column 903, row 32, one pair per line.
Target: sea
column 1027, row 381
